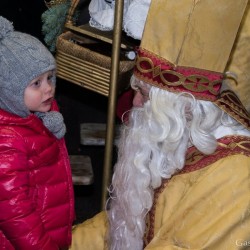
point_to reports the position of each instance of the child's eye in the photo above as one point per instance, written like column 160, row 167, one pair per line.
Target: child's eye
column 50, row 77
column 36, row 83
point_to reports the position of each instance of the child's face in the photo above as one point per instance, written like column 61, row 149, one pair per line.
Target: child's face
column 39, row 93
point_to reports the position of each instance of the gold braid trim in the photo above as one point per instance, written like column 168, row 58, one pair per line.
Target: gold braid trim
column 231, row 104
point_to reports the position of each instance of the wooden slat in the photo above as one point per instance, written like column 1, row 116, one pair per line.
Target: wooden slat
column 95, row 133
column 81, row 167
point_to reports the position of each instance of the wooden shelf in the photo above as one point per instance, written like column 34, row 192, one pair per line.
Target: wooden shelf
column 106, row 36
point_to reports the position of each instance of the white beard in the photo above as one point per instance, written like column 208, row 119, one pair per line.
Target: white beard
column 142, row 162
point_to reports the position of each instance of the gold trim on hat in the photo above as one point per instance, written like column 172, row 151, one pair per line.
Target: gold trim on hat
column 157, row 71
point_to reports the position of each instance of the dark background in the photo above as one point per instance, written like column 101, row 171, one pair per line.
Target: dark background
column 25, row 15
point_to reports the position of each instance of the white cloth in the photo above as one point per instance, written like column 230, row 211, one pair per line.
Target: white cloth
column 134, row 16
column 101, row 15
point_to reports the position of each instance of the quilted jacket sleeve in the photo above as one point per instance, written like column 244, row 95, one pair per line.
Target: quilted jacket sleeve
column 19, row 221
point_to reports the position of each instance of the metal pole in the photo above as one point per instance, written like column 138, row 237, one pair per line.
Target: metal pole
column 112, row 100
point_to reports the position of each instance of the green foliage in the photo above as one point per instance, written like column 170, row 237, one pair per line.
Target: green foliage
column 53, row 21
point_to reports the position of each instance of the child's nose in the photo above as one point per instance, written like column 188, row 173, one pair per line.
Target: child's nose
column 48, row 86
column 138, row 99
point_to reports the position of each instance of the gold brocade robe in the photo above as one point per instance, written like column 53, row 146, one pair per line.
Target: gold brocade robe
column 205, row 206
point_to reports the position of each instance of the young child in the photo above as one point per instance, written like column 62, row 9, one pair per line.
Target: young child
column 36, row 191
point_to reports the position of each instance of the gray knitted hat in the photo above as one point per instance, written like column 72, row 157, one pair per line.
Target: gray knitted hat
column 22, row 58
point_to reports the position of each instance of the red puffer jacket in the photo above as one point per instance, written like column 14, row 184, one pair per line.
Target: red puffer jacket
column 36, row 191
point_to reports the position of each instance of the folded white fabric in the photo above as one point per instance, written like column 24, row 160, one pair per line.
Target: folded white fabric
column 134, row 15
column 135, row 18
column 101, row 15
